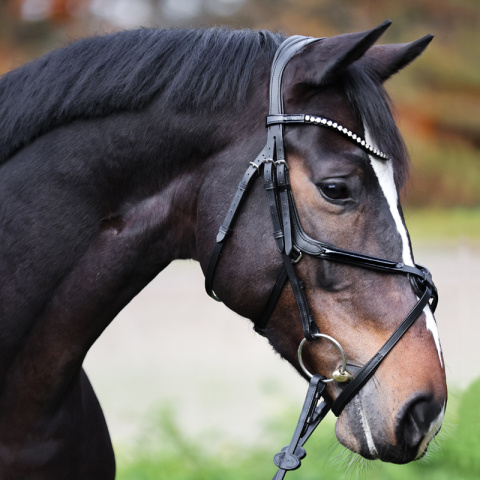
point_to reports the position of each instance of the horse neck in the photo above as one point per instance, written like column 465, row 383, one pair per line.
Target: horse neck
column 157, row 162
column 114, row 197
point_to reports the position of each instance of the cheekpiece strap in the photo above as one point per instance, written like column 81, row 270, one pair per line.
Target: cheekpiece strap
column 283, row 55
column 270, row 186
column 277, row 186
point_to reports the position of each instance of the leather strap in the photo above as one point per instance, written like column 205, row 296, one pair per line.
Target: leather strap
column 282, row 119
column 262, row 320
column 366, row 372
column 283, row 190
column 270, row 185
column 304, row 243
column 283, row 236
column 232, row 213
column 284, row 53
column 212, row 266
column 285, row 118
column 290, row 457
column 309, row 326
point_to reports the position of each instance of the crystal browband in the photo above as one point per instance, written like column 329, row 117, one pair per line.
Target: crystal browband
column 325, row 122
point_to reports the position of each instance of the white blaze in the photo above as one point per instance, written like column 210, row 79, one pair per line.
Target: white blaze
column 384, row 171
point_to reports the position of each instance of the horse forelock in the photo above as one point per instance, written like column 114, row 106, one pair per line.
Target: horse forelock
column 95, row 77
column 370, row 101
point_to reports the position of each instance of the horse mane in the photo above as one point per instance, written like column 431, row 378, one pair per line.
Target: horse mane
column 193, row 69
column 208, row 69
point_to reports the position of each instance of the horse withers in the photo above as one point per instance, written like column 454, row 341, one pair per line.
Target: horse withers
column 121, row 153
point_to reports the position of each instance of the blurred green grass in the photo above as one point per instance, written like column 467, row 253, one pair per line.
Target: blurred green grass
column 163, row 452
column 443, row 226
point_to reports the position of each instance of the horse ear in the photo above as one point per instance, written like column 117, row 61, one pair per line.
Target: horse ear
column 321, row 62
column 386, row 60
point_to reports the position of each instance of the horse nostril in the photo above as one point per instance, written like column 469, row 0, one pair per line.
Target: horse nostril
column 416, row 421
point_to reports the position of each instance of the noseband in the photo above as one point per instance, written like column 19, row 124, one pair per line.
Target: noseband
column 292, row 242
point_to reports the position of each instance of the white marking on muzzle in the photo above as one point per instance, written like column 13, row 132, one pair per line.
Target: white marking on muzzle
column 368, row 433
column 384, row 171
column 432, row 431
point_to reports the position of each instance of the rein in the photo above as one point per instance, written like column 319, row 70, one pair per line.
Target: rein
column 292, row 242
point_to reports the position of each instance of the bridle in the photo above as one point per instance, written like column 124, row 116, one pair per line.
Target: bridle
column 292, row 241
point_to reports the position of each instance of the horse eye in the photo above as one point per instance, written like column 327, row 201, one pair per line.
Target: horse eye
column 334, row 191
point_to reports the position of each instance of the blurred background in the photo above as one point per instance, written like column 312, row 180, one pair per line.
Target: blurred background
column 175, row 365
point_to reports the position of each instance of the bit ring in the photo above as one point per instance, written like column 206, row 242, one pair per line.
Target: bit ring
column 328, row 337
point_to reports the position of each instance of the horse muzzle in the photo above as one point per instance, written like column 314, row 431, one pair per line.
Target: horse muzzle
column 365, row 428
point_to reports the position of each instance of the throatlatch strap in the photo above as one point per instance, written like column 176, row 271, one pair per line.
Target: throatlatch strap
column 371, row 366
column 261, row 322
column 226, row 227
column 212, row 266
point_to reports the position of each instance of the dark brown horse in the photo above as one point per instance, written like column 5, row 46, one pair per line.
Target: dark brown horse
column 120, row 154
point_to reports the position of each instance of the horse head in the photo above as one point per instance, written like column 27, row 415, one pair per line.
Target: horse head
column 345, row 187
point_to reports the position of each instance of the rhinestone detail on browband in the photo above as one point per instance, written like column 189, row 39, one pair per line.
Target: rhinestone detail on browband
column 345, row 131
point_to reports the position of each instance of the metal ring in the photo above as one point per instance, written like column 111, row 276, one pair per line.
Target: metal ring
column 328, row 337
column 298, row 258
column 278, row 162
column 254, row 165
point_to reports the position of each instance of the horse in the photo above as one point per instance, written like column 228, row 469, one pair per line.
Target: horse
column 121, row 153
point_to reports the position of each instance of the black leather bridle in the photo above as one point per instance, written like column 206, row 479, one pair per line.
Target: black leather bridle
column 292, row 240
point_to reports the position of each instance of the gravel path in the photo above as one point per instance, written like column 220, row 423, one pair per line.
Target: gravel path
column 175, row 346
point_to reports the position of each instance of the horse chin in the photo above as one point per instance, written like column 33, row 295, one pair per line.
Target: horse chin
column 368, row 436
column 353, row 431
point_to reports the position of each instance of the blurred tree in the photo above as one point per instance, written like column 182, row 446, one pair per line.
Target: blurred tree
column 30, row 27
column 438, row 98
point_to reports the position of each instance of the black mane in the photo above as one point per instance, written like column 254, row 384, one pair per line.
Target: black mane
column 94, row 77
column 206, row 69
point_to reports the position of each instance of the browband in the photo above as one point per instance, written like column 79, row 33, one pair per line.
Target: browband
column 325, row 122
